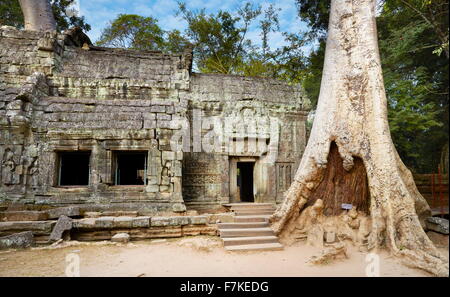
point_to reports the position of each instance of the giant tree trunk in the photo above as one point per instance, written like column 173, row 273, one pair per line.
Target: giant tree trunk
column 350, row 157
column 38, row 15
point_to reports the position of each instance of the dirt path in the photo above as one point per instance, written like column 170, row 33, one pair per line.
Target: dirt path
column 196, row 256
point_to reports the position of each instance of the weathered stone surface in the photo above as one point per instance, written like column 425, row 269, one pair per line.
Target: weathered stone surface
column 315, row 236
column 25, row 215
column 156, row 232
column 169, row 221
column 88, row 223
column 140, row 222
column 17, row 240
column 179, row 207
column 198, row 220
column 121, row 237
column 92, row 214
column 104, row 222
column 38, row 227
column 122, row 222
column 192, row 230
column 63, row 224
column 119, row 213
column 220, row 218
column 330, row 237
column 436, row 224
column 70, row 211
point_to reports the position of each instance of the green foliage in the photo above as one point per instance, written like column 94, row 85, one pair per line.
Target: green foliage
column 11, row 14
column 141, row 33
column 65, row 16
column 133, row 31
column 416, row 81
column 220, row 44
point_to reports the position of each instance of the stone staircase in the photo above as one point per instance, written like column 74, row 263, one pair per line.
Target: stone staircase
column 251, row 230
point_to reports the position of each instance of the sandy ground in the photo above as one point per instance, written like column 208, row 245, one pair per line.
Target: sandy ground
column 195, row 256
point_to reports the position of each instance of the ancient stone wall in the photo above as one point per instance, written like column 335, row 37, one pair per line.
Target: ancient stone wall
column 230, row 106
column 57, row 97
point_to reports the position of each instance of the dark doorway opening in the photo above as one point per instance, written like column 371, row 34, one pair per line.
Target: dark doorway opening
column 245, row 181
column 73, row 168
column 131, row 168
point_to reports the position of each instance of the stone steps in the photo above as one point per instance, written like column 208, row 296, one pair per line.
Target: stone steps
column 255, row 247
column 251, row 229
column 252, row 218
column 239, row 232
column 243, row 225
column 253, row 212
column 249, row 240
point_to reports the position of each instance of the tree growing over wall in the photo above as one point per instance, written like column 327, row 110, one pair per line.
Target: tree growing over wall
column 350, row 157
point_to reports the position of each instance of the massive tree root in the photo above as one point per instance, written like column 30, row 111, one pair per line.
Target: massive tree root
column 350, row 157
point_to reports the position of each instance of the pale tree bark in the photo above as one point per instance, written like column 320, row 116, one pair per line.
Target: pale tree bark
column 38, row 15
column 350, row 156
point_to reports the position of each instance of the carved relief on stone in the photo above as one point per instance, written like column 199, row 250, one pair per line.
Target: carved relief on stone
column 166, row 173
column 284, row 176
column 10, row 168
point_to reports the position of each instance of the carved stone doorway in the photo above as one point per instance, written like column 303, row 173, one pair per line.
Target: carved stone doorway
column 242, row 179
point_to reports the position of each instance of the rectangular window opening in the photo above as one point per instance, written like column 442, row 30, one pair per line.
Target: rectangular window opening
column 130, row 168
column 74, row 168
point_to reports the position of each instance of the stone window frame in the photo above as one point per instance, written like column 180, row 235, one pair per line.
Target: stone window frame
column 112, row 164
column 56, row 169
column 110, row 156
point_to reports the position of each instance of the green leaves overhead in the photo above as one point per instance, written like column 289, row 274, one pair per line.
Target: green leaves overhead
column 65, row 15
column 133, row 31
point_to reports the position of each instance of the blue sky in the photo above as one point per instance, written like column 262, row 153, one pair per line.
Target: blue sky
column 98, row 13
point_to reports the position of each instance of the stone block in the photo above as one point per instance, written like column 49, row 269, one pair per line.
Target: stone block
column 88, row 223
column 436, row 224
column 70, row 211
column 63, row 224
column 168, row 156
column 92, row 214
column 158, row 108
column 122, row 222
column 221, row 218
column 120, row 213
column 179, row 207
column 17, row 240
column 152, row 188
column 104, row 222
column 330, row 237
column 198, row 220
column 25, row 215
column 163, row 116
column 140, row 222
column 121, row 237
column 38, row 227
column 169, row 221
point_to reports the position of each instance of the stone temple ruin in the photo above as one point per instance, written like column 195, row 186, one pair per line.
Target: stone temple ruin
column 138, row 130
